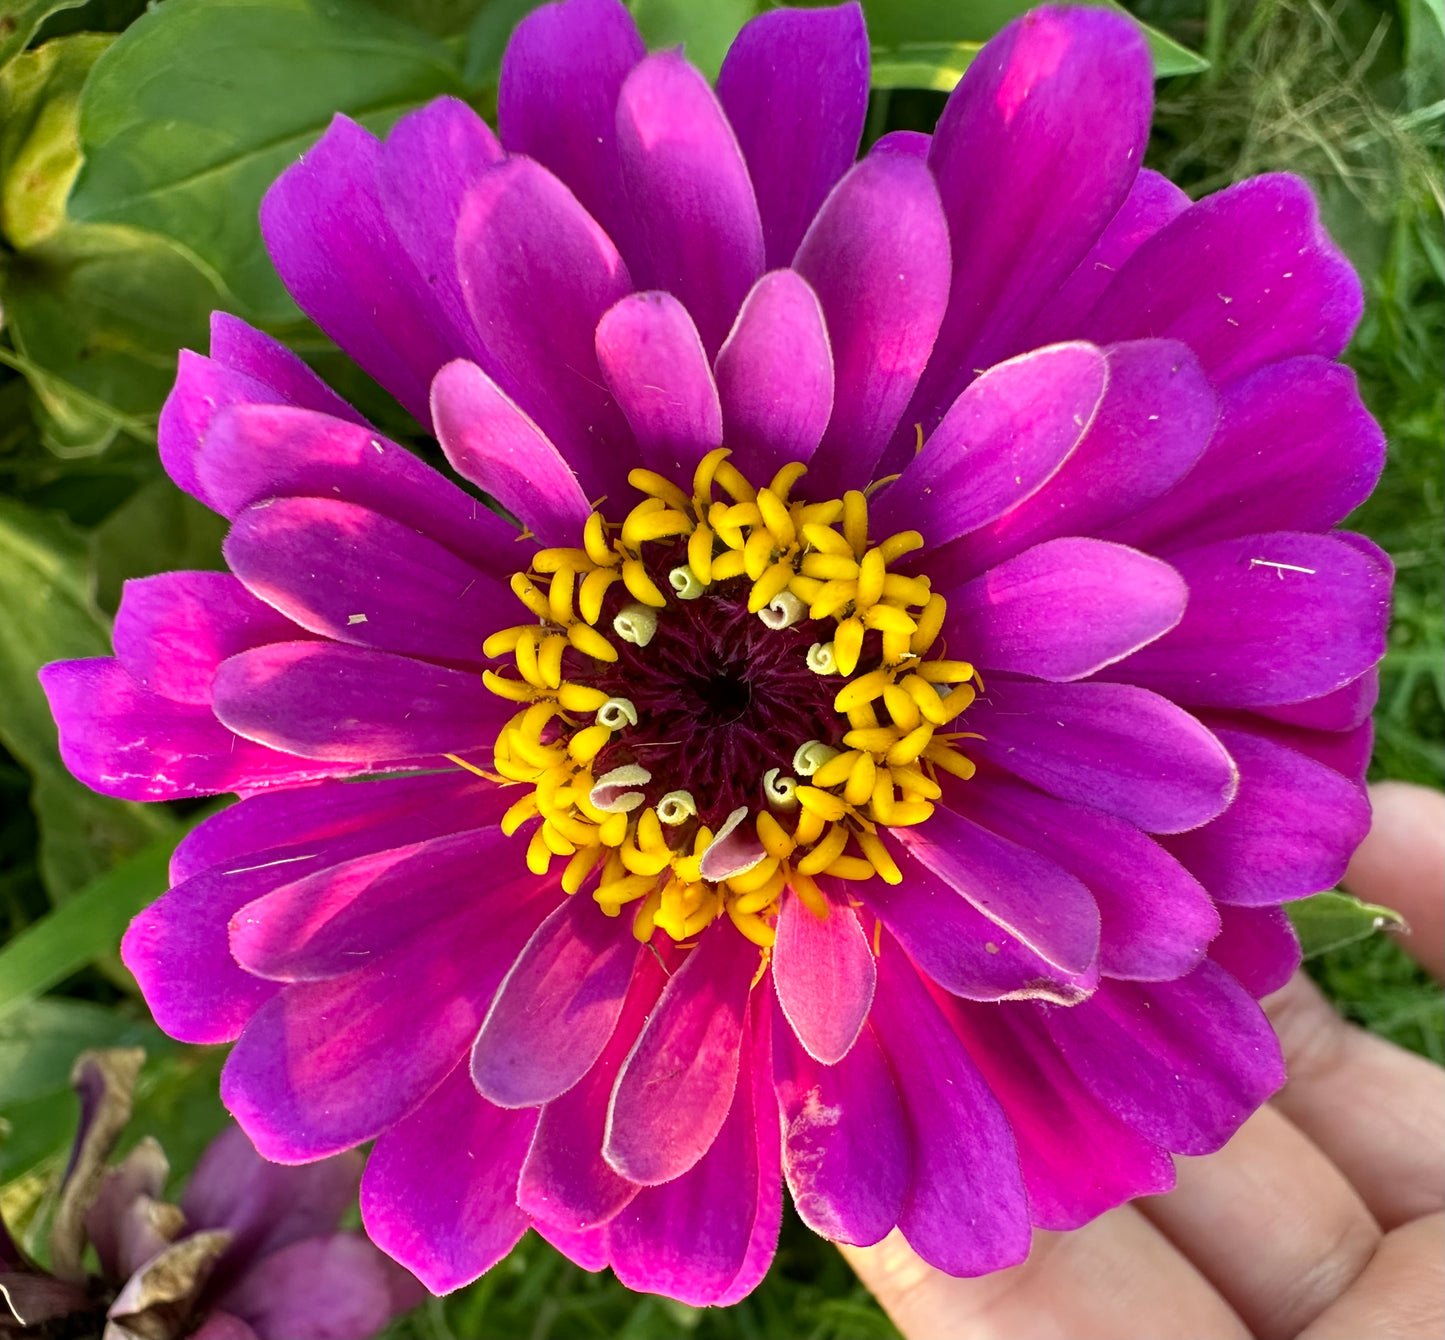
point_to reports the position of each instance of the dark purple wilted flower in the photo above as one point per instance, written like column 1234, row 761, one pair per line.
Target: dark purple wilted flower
column 250, row 1253
column 925, row 811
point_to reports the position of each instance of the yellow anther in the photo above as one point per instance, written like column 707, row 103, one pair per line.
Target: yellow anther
column 862, row 690
column 950, row 760
column 582, row 864
column 812, row 896
column 910, row 780
column 504, row 642
column 809, row 828
column 850, row 867
column 906, row 813
column 825, row 853
column 895, row 649
column 519, row 813
column 727, row 565
column 859, row 787
column 831, row 596
column 644, row 862
column 775, row 517
column 855, row 521
column 822, row 803
column 911, row 745
column 732, row 482
column 549, row 660
column 863, row 718
column 760, row 899
column 526, row 590
column 906, row 590
column 554, row 560
column 901, row 707
column 925, row 696
column 945, row 672
column 878, row 857
column 848, row 644
column 776, row 841
column 659, row 486
column 557, row 844
column 750, row 881
column 612, row 832
column 527, row 665
column 699, row 553
column 822, row 514
column 559, row 596
column 758, row 554
column 594, row 590
column 772, row 583
column 756, row 929
column 930, row 624
column 889, row 619
column 830, row 567
column 905, row 542
column 539, row 854
column 646, row 919
column 872, row 571
column 836, row 770
column 782, row 482
column 660, row 524
column 530, row 750
column 591, row 643
column 580, row 697
column 594, row 539
column 826, row 540
column 512, row 689
column 586, row 744
column 703, row 476
column 642, row 587
column 875, row 739
column 960, row 700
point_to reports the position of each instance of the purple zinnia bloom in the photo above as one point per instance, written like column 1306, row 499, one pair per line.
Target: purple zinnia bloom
column 925, row 666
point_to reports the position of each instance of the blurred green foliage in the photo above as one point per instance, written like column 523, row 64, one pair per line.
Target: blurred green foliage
column 135, row 144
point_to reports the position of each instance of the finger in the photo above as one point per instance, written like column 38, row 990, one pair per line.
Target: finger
column 1376, row 1110
column 1271, row 1222
column 1399, row 1296
column 1117, row 1277
column 1402, row 864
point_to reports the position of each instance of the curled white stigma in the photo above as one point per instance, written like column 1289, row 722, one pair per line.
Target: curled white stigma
column 821, row 660
column 811, row 756
column 635, row 624
column 783, row 610
column 780, row 790
column 676, row 807
column 686, row 583
column 616, row 713
column 611, row 793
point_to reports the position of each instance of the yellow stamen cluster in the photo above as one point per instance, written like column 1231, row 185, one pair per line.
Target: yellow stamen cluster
column 804, row 560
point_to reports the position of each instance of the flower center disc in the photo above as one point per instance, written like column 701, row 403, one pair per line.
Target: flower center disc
column 722, row 698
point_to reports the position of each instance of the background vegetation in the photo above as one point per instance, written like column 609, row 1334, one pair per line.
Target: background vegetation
column 134, row 145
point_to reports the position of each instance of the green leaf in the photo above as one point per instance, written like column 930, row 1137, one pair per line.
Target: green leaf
column 935, row 65
column 200, row 104
column 705, row 27
column 40, row 1040
column 47, row 616
column 20, row 20
column 1328, row 920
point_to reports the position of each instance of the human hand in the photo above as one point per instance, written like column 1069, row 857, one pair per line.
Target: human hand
column 1323, row 1218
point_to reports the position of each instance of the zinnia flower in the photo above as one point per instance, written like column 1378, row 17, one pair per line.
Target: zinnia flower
column 925, row 665
column 250, row 1253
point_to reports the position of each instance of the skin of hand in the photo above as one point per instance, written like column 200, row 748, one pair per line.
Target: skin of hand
column 1324, row 1217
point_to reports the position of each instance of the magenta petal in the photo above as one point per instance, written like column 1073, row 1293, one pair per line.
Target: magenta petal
column 329, row 237
column 1272, row 619
column 775, row 376
column 255, row 452
column 1256, row 946
column 653, row 360
column 490, row 441
column 695, row 230
column 1155, row 420
column 537, row 274
column 218, row 1325
column 1129, row 753
column 1077, row 1159
column 556, row 1008
column 587, row 1249
column 1036, row 151
column 1002, row 438
column 557, row 98
column 246, row 350
column 1346, row 751
column 1289, row 833
column 676, row 1087
column 322, row 700
column 351, row 574
column 877, row 257
column 909, row 143
column 1183, row 1062
column 1155, row 920
column 794, row 85
column 1347, row 708
column 318, row 1289
column 174, row 629
column 823, row 972
column 1244, row 278
column 303, row 1078
column 1026, row 895
column 1295, row 450
column 964, row 1210
column 1064, row 609
column 122, row 741
column 845, row 1141
column 439, row 1194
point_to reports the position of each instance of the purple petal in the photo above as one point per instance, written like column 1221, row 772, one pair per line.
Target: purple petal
column 219, row 1325
column 328, row 235
column 557, row 100
column 322, row 1289
column 1064, row 609
column 775, row 376
column 961, row 949
column 1289, row 833
column 123, row 741
column 1155, row 419
column 1153, row 201
column 1344, row 709
column 173, row 630
column 537, row 274
column 692, row 1236
column 794, row 85
column 322, row 700
column 653, row 359
column 845, row 1142
column 355, row 575
column 246, row 350
column 1024, row 894
column 565, row 1180
column 910, row 143
column 1077, row 1159
column 587, row 1249
column 1003, row 438
column 303, row 1077
column 556, row 1008
column 1346, row 751
column 1272, row 619
column 1126, row 752
column 1183, row 1062
column 440, row 1189
column 1296, row 449
column 1155, row 921
column 1244, row 278
column 1256, row 946
column 877, row 256
column 490, row 441
column 255, row 452
column 1036, row 151
column 675, row 1089
column 964, row 1210
column 823, row 972
column 695, row 229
